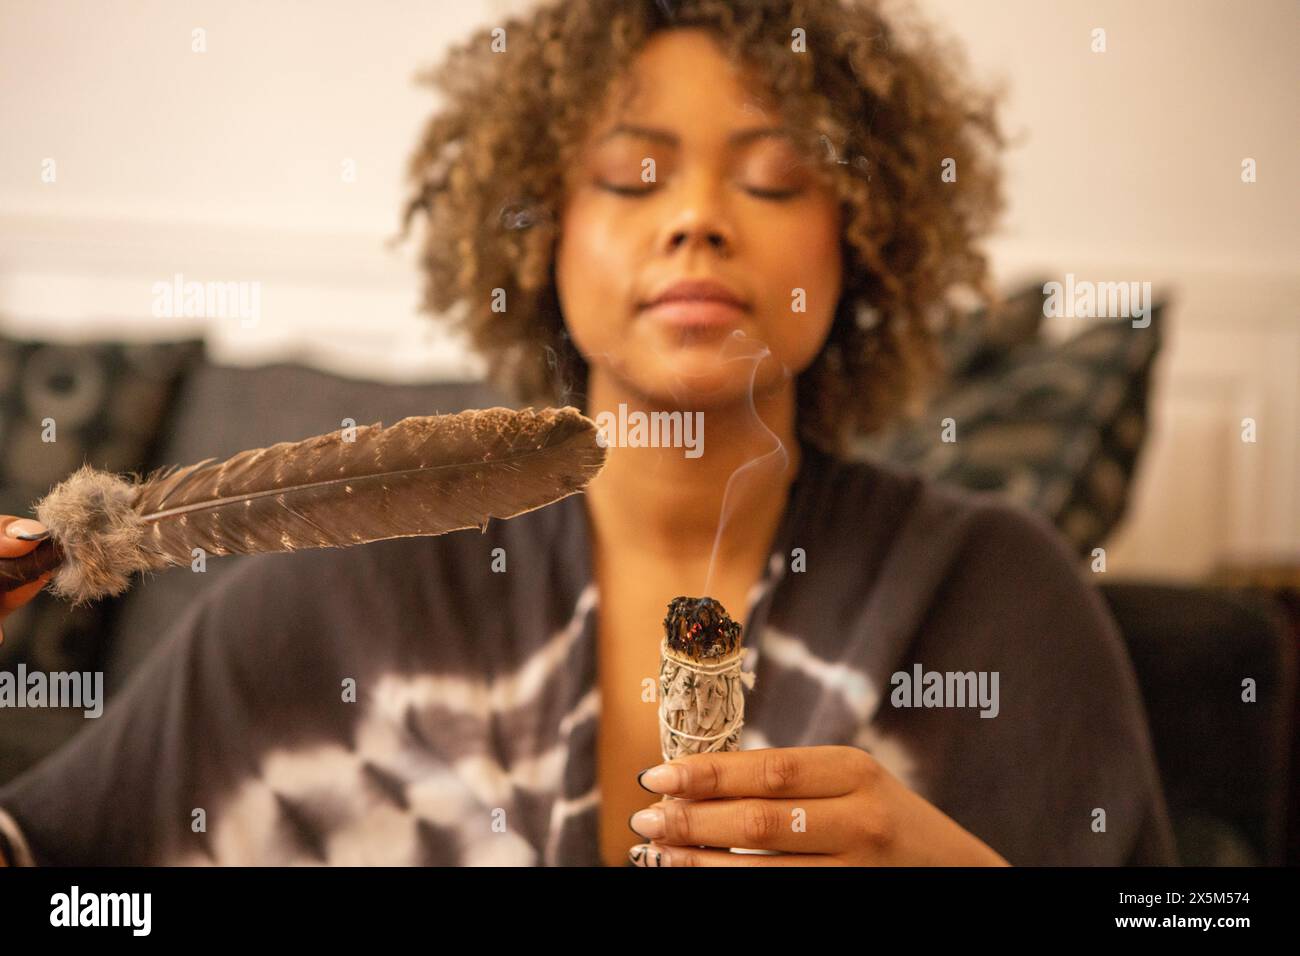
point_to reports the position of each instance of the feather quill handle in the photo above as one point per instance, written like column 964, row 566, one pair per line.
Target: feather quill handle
column 424, row 475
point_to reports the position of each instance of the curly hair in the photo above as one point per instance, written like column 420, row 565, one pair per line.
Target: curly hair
column 885, row 119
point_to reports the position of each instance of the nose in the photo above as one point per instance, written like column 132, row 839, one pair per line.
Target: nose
column 701, row 233
column 699, row 220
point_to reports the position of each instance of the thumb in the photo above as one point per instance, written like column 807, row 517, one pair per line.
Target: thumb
column 11, row 545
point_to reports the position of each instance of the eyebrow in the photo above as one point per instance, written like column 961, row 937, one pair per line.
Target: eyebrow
column 739, row 137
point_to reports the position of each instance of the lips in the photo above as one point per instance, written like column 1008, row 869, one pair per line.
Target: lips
column 697, row 291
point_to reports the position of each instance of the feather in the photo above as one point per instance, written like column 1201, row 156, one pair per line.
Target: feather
column 425, row 475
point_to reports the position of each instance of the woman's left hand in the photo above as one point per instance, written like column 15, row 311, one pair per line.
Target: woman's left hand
column 818, row 806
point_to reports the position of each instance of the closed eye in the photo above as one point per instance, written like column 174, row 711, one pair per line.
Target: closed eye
column 773, row 194
column 625, row 190
column 777, row 194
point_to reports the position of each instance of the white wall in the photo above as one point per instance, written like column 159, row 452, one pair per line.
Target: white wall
column 1130, row 168
column 227, row 165
column 223, row 166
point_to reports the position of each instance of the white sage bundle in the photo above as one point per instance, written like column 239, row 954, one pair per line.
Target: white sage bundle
column 701, row 684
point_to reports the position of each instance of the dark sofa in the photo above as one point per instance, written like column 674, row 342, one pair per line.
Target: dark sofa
column 1224, row 764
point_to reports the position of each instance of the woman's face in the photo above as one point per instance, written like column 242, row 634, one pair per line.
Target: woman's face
column 731, row 200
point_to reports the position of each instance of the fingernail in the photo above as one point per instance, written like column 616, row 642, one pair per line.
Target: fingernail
column 664, row 778
column 648, row 823
column 644, row 854
column 24, row 529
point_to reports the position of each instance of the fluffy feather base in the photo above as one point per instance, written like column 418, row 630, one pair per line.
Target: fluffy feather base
column 91, row 516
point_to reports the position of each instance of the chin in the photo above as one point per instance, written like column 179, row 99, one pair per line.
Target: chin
column 701, row 380
column 713, row 371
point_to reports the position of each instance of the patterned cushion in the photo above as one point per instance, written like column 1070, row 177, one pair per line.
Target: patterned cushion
column 1055, row 427
column 982, row 340
column 108, row 404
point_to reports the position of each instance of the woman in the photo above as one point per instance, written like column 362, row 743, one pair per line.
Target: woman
column 742, row 215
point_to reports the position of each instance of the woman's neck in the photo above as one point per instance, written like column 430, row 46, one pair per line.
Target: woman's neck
column 666, row 506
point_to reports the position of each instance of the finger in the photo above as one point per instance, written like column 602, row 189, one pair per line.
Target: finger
column 10, row 545
column 655, row 854
column 12, row 600
column 825, row 771
column 792, row 826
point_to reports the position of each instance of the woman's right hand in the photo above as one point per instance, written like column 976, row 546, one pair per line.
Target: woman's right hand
column 13, row 547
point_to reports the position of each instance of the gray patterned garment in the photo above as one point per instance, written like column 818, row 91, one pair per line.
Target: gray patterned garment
column 472, row 737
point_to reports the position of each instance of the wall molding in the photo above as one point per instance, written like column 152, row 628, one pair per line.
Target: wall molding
column 342, row 302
